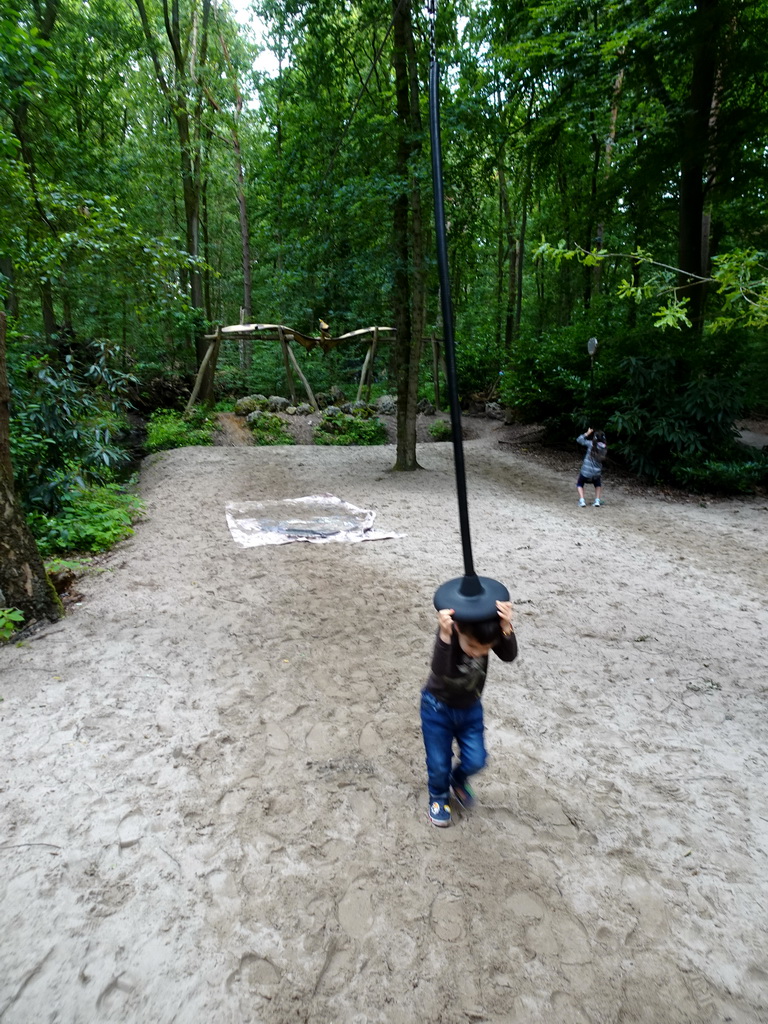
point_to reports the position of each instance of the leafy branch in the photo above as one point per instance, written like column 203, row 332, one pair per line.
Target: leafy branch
column 739, row 277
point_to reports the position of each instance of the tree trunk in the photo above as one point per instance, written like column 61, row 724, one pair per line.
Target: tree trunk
column 245, row 233
column 5, row 406
column 409, row 289
column 698, row 130
column 184, row 95
column 24, row 583
column 12, row 296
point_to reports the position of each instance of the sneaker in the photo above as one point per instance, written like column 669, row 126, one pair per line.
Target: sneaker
column 465, row 795
column 596, row 503
column 439, row 814
column 582, row 503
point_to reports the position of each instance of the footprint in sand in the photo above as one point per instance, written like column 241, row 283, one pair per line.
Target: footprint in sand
column 131, row 829
column 561, row 936
column 255, row 974
column 564, row 1008
column 116, row 994
column 371, row 743
column 277, row 738
column 526, row 905
column 222, row 885
column 356, row 910
column 447, row 918
column 234, row 800
column 322, row 738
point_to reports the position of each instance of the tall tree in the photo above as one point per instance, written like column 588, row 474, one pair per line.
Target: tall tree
column 410, row 275
column 183, row 86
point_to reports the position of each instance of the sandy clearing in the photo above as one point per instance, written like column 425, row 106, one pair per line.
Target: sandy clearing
column 213, row 786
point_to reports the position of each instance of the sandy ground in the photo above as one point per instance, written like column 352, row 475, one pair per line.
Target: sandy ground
column 213, row 790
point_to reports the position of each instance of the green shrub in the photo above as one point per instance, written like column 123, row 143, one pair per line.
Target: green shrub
column 671, row 420
column 346, row 429
column 63, row 424
column 91, row 519
column 441, row 430
column 269, row 429
column 168, row 429
column 10, row 620
column 737, row 476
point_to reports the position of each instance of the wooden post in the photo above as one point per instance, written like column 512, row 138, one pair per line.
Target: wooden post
column 287, row 361
column 214, row 346
column 363, row 373
column 303, row 379
column 369, row 381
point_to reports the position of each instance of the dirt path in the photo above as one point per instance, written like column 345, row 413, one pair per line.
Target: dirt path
column 213, row 785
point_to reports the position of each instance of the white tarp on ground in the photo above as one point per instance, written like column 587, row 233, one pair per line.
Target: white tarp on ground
column 318, row 518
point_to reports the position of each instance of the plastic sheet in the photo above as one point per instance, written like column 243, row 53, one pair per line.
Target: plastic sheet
column 317, row 519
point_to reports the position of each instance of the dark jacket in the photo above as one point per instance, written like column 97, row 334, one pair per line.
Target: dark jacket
column 458, row 680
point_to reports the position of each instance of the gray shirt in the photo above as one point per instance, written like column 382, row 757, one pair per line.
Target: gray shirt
column 591, row 466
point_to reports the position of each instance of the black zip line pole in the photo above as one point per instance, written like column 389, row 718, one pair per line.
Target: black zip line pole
column 473, row 598
column 447, row 311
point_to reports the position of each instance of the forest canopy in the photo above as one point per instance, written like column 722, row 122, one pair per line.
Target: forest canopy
column 604, row 177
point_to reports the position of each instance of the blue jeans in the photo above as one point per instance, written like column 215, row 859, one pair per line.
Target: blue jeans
column 440, row 725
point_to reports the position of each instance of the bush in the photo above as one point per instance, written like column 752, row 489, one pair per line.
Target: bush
column 737, row 476
column 91, row 519
column 672, row 423
column 441, row 430
column 63, row 424
column 168, row 429
column 347, row 429
column 269, row 429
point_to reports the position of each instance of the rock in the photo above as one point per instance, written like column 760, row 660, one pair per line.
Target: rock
column 362, row 409
column 332, row 410
column 494, row 411
column 387, row 405
column 278, row 404
column 250, row 403
column 425, row 407
column 304, row 409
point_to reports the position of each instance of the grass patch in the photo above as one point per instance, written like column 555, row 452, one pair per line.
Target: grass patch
column 91, row 519
column 344, row 428
column 168, row 429
column 441, row 430
column 268, row 429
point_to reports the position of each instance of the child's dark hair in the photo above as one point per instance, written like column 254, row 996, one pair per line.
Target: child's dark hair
column 486, row 632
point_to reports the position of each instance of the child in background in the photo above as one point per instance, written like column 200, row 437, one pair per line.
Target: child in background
column 451, row 707
column 592, row 467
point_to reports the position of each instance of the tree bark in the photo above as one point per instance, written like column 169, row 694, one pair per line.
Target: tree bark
column 12, row 296
column 698, row 131
column 409, row 290
column 24, row 583
column 184, row 96
column 245, row 233
column 5, row 405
